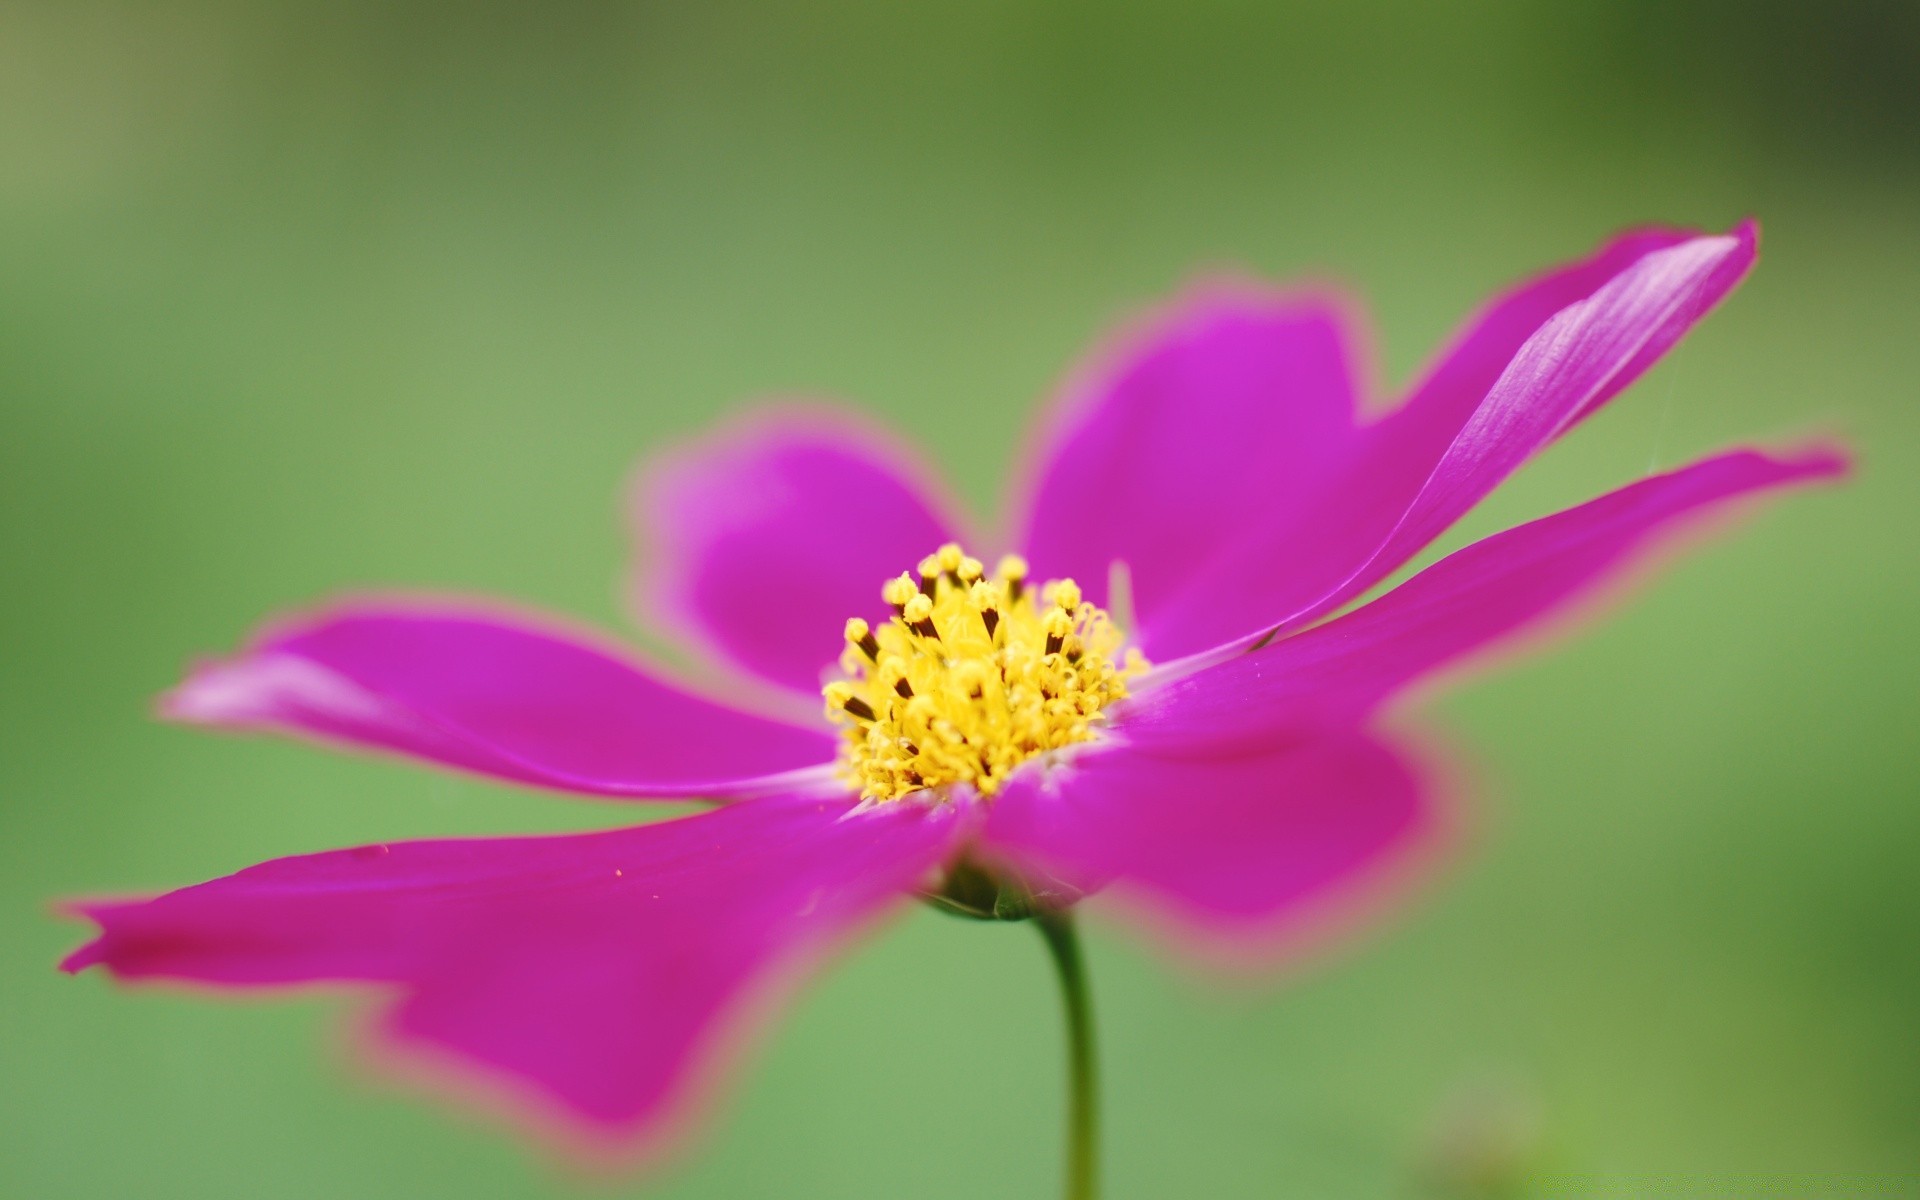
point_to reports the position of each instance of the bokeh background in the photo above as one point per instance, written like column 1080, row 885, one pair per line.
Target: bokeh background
column 299, row 297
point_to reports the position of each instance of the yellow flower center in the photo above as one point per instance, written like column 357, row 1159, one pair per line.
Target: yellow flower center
column 973, row 676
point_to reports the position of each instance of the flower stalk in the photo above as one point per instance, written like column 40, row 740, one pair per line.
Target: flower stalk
column 1083, row 1076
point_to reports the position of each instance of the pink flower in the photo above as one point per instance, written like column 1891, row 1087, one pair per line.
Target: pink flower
column 1188, row 729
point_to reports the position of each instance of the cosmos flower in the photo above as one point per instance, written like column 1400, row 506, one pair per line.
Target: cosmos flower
column 1161, row 698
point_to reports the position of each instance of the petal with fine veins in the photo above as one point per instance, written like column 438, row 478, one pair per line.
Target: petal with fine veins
column 1476, row 597
column 1232, row 405
column 1462, row 433
column 503, row 695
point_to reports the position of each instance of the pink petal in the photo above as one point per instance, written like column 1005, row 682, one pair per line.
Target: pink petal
column 1488, row 407
column 589, row 978
column 1234, row 402
column 497, row 694
column 1466, row 371
column 1238, row 853
column 1337, row 672
column 764, row 538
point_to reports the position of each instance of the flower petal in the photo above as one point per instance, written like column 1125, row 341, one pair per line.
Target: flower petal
column 764, row 538
column 1495, row 401
column 1147, row 461
column 1240, row 852
column 497, row 694
column 1466, row 371
column 1337, row 672
column 592, row 978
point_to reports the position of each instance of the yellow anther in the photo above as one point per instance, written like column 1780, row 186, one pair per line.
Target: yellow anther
column 844, row 703
column 974, row 676
column 899, row 590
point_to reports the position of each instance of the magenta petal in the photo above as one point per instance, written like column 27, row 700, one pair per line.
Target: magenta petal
column 1572, row 365
column 1237, row 852
column 497, row 694
column 764, row 538
column 590, row 977
column 1337, row 672
column 1466, row 371
column 1230, row 406
column 1493, row 403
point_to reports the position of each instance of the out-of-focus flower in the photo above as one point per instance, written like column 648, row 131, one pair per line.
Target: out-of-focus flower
column 1175, row 718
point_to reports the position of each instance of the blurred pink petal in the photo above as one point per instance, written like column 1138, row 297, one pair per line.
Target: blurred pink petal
column 495, row 694
column 1241, row 853
column 766, row 536
column 1461, row 434
column 1231, row 405
column 1339, row 671
column 597, row 974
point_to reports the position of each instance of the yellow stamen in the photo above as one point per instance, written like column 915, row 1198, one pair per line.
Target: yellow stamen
column 972, row 677
column 899, row 590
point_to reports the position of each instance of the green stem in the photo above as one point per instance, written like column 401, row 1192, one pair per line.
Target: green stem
column 1083, row 1116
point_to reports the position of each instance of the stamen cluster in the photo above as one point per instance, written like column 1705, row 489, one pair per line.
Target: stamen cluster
column 973, row 676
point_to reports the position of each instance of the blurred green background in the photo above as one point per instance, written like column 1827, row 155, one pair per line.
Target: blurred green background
column 301, row 297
